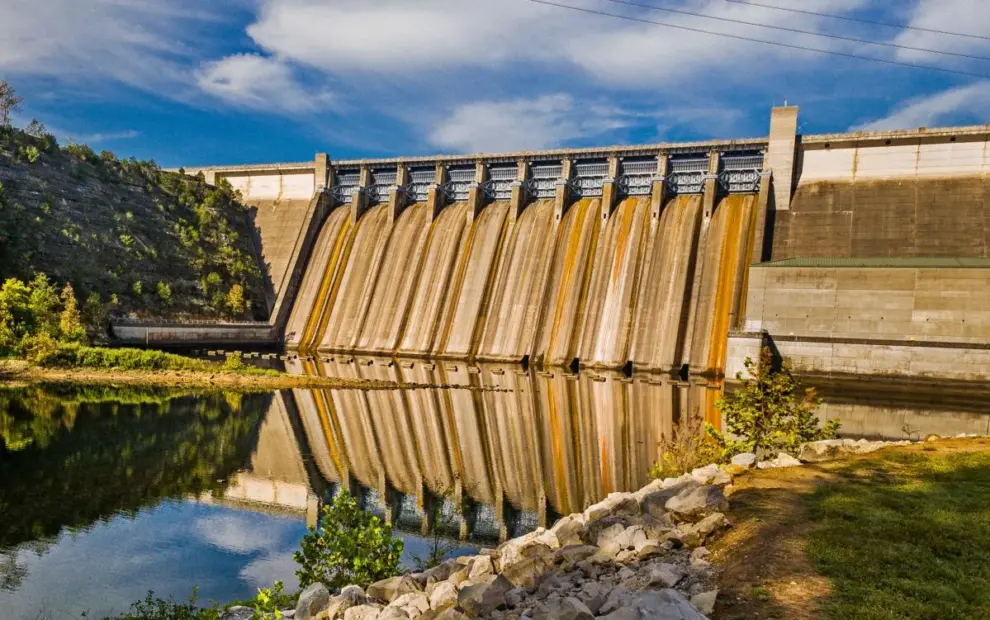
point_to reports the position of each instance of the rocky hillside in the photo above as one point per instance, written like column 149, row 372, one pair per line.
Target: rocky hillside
column 127, row 235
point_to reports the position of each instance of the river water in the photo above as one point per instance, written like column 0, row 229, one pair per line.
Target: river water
column 107, row 493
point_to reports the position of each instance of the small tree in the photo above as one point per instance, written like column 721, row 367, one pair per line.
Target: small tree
column 235, row 299
column 9, row 102
column 349, row 546
column 70, row 321
column 164, row 292
column 767, row 414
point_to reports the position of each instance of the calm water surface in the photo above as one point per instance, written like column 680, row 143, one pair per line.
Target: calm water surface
column 106, row 494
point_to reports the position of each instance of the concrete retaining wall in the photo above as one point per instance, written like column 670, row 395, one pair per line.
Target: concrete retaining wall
column 205, row 334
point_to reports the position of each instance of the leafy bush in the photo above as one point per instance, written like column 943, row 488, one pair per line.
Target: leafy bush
column 349, row 546
column 234, row 363
column 30, row 153
column 164, row 292
column 269, row 602
column 767, row 415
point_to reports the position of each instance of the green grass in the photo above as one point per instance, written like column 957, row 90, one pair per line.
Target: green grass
column 76, row 356
column 906, row 535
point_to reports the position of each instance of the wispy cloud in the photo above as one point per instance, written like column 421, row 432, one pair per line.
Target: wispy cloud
column 259, row 82
column 97, row 138
column 521, row 124
column 963, row 104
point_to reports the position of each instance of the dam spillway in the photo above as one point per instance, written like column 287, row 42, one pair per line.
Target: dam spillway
column 851, row 254
column 561, row 265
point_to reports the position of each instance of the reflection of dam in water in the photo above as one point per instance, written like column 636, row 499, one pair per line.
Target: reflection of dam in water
column 635, row 260
column 509, row 458
column 531, row 446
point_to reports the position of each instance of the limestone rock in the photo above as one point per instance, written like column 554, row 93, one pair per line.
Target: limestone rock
column 614, row 504
column 362, row 612
column 655, row 503
column 568, row 529
column 667, row 575
column 704, row 475
column 783, row 460
column 568, row 609
column 394, row 613
column 652, row 549
column 459, row 577
column 828, row 449
column 238, row 612
column 312, row 601
column 513, row 598
column 440, row 572
column 745, row 460
column 350, row 596
column 666, row 604
column 705, row 602
column 694, row 504
column 527, row 572
column 450, row 613
column 696, row 534
column 609, row 538
column 481, row 599
column 443, row 595
column 413, row 603
column 572, row 554
column 388, row 589
column 593, row 594
column 482, row 566
column 698, row 558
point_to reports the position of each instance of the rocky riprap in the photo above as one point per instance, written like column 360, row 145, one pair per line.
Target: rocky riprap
column 632, row 555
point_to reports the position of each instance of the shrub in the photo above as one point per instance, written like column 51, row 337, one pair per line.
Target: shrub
column 152, row 608
column 30, row 153
column 687, row 447
column 70, row 321
column 766, row 415
column 235, row 299
column 164, row 292
column 349, row 546
column 233, row 363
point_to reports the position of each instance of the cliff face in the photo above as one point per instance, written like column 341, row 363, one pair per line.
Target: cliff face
column 156, row 243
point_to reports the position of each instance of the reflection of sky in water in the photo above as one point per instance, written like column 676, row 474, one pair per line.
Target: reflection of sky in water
column 228, row 553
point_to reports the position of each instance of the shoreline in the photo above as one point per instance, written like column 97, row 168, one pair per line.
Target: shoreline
column 15, row 373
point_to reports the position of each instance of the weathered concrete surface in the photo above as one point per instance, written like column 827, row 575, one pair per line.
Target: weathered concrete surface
column 657, row 281
column 201, row 334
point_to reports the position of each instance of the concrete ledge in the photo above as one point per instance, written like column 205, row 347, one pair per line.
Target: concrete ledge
column 893, row 359
column 177, row 334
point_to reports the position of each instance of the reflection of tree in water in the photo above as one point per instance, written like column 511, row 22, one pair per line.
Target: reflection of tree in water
column 71, row 458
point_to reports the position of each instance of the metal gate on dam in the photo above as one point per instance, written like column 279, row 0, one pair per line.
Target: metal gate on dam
column 858, row 253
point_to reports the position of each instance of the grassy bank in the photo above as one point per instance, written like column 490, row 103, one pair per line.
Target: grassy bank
column 140, row 368
column 902, row 533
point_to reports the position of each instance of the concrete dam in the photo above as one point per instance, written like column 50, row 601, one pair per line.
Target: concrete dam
column 858, row 253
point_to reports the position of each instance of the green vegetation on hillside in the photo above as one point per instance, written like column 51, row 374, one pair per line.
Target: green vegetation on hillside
column 125, row 234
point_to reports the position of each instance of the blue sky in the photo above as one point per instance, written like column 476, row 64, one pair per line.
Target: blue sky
column 236, row 81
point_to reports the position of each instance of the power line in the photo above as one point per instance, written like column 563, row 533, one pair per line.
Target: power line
column 762, row 41
column 797, row 30
column 859, row 20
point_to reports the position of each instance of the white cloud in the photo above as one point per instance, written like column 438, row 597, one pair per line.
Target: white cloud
column 137, row 42
column 399, row 37
column 522, row 124
column 236, row 534
column 963, row 104
column 964, row 16
column 259, row 82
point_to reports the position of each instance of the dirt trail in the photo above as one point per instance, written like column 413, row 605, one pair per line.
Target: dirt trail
column 764, row 569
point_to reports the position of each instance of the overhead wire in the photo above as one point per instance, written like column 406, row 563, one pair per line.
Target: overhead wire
column 653, row 7
column 860, row 20
column 761, row 41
